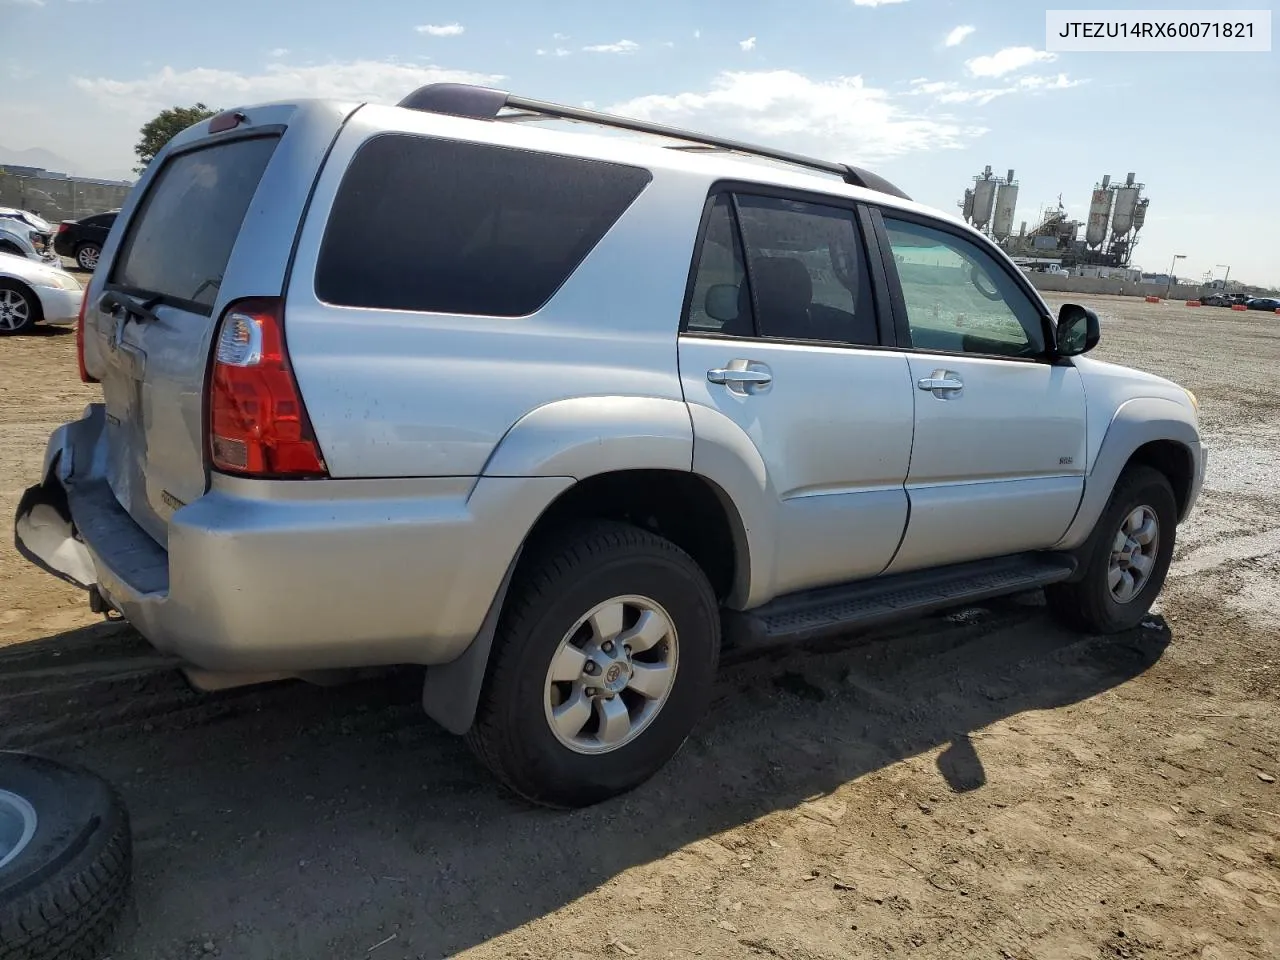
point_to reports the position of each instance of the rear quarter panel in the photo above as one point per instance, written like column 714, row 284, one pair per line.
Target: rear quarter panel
column 396, row 393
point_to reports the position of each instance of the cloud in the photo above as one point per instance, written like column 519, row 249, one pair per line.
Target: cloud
column 622, row 46
column 278, row 52
column 559, row 36
column 697, row 34
column 557, row 52
column 950, row 92
column 377, row 81
column 748, row 44
column 442, row 30
column 1007, row 60
column 875, row 3
column 841, row 118
column 22, row 3
column 669, row 44
column 958, row 35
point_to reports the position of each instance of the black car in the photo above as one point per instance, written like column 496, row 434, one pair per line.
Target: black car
column 1217, row 300
column 82, row 240
column 1264, row 303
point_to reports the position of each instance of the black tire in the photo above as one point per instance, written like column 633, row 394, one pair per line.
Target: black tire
column 34, row 311
column 88, row 251
column 62, row 895
column 558, row 583
column 1087, row 604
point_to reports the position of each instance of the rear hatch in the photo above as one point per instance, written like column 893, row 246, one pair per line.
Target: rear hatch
column 213, row 221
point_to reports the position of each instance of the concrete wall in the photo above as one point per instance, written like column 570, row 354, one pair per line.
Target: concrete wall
column 1124, row 288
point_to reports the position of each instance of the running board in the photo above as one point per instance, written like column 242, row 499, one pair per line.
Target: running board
column 867, row 603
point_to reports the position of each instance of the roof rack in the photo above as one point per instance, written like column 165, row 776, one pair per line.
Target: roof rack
column 485, row 103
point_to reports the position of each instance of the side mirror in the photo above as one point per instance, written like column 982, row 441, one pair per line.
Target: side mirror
column 722, row 302
column 1078, row 330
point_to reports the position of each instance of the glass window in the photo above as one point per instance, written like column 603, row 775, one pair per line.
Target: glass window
column 180, row 240
column 721, row 302
column 446, row 226
column 958, row 298
column 807, row 270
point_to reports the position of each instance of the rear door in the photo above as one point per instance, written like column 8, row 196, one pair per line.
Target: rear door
column 214, row 223
column 782, row 337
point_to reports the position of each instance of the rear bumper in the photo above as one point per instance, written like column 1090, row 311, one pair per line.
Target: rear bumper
column 285, row 576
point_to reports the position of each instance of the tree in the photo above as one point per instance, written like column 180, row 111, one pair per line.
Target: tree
column 166, row 125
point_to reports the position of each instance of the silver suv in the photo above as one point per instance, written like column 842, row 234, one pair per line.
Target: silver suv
column 551, row 412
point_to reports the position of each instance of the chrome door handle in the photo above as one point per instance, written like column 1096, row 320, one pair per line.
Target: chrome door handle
column 940, row 383
column 740, row 377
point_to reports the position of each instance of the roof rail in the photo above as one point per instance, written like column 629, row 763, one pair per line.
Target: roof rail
column 484, row 103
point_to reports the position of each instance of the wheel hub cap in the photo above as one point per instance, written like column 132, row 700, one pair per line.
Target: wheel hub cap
column 1133, row 554
column 611, row 674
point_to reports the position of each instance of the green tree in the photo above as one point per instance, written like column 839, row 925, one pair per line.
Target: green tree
column 166, row 125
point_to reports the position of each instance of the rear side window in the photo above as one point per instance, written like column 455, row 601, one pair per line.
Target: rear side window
column 442, row 226
column 179, row 241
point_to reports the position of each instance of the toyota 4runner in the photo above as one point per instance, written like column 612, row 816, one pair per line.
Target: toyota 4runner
column 551, row 412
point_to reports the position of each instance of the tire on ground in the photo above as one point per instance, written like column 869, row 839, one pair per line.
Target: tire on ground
column 34, row 309
column 558, row 583
column 62, row 893
column 1087, row 604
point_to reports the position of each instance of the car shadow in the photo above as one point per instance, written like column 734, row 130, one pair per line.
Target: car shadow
column 290, row 820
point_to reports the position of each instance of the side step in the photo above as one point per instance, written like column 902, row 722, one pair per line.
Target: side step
column 866, row 603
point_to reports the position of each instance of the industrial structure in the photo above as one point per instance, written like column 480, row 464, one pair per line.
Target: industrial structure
column 1106, row 239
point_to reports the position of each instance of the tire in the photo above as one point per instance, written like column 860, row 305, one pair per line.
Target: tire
column 561, row 582
column 1089, row 604
column 20, row 309
column 62, row 893
column 87, row 255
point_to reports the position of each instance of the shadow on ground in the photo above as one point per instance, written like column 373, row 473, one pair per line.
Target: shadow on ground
column 293, row 821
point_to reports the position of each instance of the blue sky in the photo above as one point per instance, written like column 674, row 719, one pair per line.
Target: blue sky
column 926, row 92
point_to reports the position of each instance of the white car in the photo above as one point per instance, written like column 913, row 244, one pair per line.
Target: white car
column 27, row 235
column 34, row 292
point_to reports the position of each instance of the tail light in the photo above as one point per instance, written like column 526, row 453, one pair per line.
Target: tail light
column 64, row 227
column 257, row 424
column 84, row 374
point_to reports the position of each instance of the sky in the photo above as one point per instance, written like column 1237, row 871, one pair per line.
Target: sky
column 924, row 92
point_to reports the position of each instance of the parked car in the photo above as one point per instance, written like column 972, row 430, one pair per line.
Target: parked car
column 25, row 235
column 82, row 240
column 1216, row 300
column 562, row 443
column 1264, row 303
column 33, row 292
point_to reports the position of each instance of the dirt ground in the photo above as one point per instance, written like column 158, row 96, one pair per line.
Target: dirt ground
column 976, row 785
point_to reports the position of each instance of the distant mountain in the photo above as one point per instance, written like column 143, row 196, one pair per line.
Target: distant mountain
column 48, row 160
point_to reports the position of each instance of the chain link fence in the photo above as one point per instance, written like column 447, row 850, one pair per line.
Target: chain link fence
column 58, row 199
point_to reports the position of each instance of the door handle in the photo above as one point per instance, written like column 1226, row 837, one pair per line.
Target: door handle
column 943, row 384
column 740, row 377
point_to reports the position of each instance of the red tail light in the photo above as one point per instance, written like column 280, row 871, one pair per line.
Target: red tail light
column 64, row 227
column 84, row 374
column 257, row 424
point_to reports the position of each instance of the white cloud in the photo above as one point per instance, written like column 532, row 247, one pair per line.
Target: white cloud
column 841, row 118
column 442, row 30
column 23, row 3
column 1007, row 60
column 958, row 35
column 875, row 3
column 748, row 44
column 278, row 52
column 697, row 34
column 559, row 36
column 948, row 91
column 669, row 44
column 557, row 52
column 622, row 46
column 377, row 81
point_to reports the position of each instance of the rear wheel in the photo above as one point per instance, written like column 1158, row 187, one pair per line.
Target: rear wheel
column 603, row 662
column 1126, row 565
column 87, row 256
column 19, row 308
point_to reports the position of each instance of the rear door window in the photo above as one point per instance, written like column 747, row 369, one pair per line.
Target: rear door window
column 443, row 226
column 179, row 241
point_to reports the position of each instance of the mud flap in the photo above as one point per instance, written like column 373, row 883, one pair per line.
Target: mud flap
column 44, row 534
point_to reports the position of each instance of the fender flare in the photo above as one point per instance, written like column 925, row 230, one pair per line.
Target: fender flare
column 1136, row 423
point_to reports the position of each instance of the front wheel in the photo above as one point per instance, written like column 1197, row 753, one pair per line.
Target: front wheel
column 19, row 308
column 603, row 662
column 1125, row 566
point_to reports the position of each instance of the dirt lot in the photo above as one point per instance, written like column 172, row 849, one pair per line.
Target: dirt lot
column 980, row 785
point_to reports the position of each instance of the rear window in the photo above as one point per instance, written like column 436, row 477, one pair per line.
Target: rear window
column 179, row 241
column 443, row 226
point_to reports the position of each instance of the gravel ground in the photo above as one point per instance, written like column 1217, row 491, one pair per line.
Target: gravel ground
column 982, row 784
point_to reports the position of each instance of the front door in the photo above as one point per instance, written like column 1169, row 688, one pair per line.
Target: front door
column 998, row 460
column 783, row 341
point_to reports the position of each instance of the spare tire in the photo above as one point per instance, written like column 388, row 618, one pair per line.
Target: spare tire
column 66, row 860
